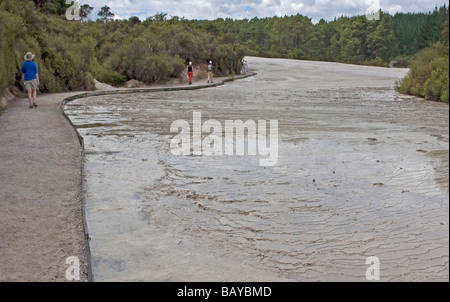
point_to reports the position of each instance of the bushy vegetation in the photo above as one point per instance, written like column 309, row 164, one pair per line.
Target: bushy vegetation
column 429, row 75
column 60, row 55
column 70, row 54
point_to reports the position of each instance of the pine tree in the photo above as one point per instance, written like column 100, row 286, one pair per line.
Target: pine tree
column 381, row 42
column 105, row 14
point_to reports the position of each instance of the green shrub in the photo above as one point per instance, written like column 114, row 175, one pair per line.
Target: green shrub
column 402, row 61
column 429, row 74
column 83, row 81
column 49, row 83
column 105, row 75
column 111, row 77
column 159, row 68
column 375, row 62
column 11, row 29
column 178, row 65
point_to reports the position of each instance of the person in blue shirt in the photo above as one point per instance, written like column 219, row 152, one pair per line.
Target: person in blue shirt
column 30, row 78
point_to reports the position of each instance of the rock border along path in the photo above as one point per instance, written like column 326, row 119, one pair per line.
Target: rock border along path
column 41, row 188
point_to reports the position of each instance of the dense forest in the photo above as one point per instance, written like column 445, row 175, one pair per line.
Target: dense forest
column 70, row 54
column 358, row 39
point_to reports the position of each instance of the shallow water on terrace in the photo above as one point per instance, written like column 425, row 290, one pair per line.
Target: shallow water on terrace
column 361, row 172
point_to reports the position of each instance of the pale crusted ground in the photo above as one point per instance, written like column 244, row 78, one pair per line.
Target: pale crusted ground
column 362, row 171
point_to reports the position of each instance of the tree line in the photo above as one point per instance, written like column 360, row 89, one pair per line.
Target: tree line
column 357, row 39
column 71, row 54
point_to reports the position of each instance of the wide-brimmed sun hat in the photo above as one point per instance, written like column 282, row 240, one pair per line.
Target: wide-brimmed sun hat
column 29, row 56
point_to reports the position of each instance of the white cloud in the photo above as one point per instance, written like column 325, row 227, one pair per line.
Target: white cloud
column 394, row 9
column 239, row 9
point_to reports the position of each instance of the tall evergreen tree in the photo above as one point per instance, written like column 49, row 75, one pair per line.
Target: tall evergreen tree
column 105, row 14
column 381, row 42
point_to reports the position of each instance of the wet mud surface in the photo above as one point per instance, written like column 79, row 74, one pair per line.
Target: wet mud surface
column 362, row 171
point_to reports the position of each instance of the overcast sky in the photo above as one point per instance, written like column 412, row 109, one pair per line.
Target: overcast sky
column 240, row 9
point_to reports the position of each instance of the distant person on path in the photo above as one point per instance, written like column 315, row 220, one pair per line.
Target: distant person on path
column 244, row 66
column 210, row 72
column 190, row 72
column 30, row 78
